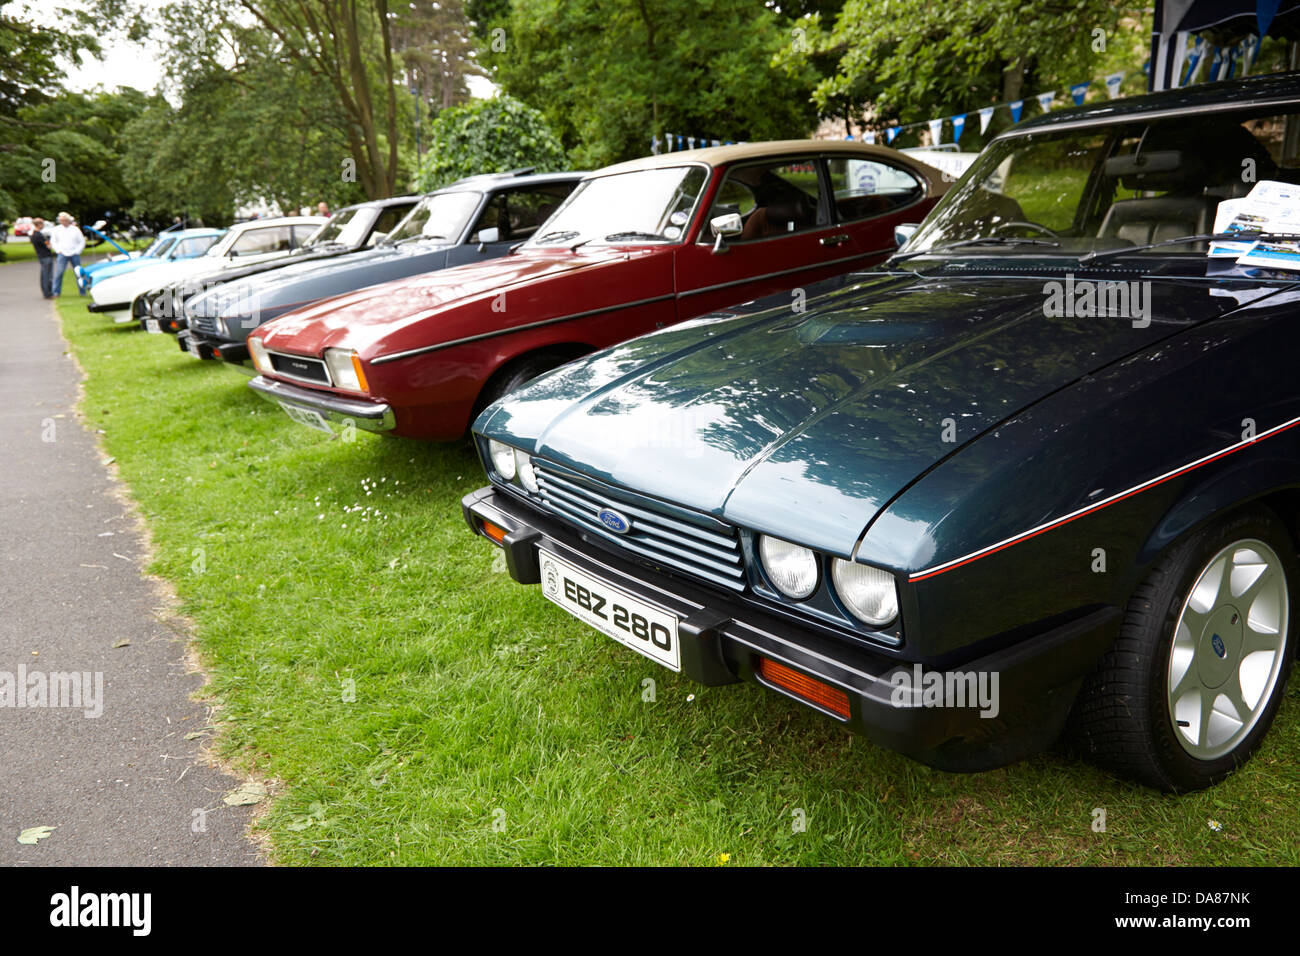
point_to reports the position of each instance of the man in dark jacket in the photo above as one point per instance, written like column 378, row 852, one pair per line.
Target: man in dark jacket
column 44, row 256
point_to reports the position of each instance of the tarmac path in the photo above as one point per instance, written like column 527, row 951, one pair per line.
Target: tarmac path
column 124, row 787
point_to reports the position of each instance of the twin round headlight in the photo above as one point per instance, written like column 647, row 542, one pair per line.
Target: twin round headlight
column 869, row 593
column 510, row 463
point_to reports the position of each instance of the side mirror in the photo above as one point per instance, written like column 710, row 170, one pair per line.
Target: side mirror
column 491, row 234
column 903, row 232
column 722, row 226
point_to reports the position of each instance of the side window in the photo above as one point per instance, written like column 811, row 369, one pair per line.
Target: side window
column 257, row 242
column 516, row 213
column 772, row 199
column 865, row 188
column 301, row 233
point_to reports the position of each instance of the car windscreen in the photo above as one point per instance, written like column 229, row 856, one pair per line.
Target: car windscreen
column 647, row 205
column 159, row 247
column 439, row 216
column 346, row 227
column 1110, row 187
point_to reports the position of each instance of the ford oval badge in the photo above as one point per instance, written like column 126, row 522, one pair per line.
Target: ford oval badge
column 1217, row 643
column 614, row 521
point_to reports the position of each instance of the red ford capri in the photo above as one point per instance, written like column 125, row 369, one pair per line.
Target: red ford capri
column 636, row 247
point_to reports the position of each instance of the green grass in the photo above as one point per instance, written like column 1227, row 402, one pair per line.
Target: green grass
column 474, row 695
column 20, row 249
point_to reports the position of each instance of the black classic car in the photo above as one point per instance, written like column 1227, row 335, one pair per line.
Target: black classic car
column 472, row 220
column 1039, row 472
column 350, row 229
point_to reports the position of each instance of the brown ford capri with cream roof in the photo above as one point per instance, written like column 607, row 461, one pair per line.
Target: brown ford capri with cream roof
column 635, row 247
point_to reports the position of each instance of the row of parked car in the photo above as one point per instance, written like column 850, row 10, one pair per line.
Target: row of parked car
column 1034, row 470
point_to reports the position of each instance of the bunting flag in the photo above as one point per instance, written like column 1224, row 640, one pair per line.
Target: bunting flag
column 1016, row 107
column 1265, row 11
column 1194, row 60
column 891, row 133
column 1113, row 83
column 869, row 136
column 654, row 146
column 681, row 141
column 1079, row 92
column 717, row 142
column 1045, row 100
column 958, row 124
column 986, row 115
column 936, row 131
column 1216, row 64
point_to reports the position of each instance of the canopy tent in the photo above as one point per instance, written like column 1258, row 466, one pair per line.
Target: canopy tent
column 1216, row 37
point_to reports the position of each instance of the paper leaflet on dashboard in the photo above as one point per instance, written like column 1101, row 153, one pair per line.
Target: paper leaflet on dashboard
column 1270, row 207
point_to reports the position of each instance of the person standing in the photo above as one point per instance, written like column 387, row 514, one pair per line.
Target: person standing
column 322, row 208
column 44, row 256
column 67, row 242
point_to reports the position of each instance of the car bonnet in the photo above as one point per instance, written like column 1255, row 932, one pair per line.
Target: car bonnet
column 806, row 425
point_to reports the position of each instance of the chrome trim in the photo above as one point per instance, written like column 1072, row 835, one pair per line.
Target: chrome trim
column 368, row 416
column 785, row 272
column 394, row 356
column 1138, row 117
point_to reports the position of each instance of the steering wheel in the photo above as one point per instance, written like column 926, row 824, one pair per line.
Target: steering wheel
column 1024, row 224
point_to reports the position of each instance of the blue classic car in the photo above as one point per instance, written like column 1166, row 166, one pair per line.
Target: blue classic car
column 472, row 220
column 171, row 245
column 1040, row 472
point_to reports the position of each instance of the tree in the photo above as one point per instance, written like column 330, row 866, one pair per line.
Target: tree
column 488, row 136
column 908, row 59
column 610, row 75
column 434, row 42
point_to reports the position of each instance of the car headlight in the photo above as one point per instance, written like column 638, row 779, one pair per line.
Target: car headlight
column 527, row 475
column 257, row 352
column 345, row 369
column 503, row 459
column 793, row 569
column 869, row 593
column 221, row 329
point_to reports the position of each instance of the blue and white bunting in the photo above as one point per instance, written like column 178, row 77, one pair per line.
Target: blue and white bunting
column 958, row 124
column 986, row 114
column 1079, row 92
column 936, row 131
column 1113, row 83
column 1045, row 100
column 1016, row 107
column 891, row 133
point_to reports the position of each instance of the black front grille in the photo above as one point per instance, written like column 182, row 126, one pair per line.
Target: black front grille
column 300, row 367
column 204, row 323
column 671, row 537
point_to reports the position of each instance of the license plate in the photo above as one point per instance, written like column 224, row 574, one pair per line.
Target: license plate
column 612, row 611
column 307, row 416
column 192, row 347
column 151, row 325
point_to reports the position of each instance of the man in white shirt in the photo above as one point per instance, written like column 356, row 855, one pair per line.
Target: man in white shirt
column 67, row 242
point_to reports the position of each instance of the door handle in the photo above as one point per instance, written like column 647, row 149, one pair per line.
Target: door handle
column 837, row 240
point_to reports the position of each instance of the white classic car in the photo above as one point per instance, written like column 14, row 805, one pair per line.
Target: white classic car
column 245, row 243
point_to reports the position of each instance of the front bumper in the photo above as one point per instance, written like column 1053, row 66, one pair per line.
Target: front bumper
column 723, row 640
column 369, row 416
column 108, row 307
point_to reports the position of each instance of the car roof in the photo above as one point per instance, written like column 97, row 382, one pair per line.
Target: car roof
column 279, row 221
column 1252, row 91
column 718, row 155
column 517, row 177
column 191, row 233
column 382, row 203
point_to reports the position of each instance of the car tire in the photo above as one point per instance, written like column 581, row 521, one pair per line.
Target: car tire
column 514, row 376
column 1212, row 624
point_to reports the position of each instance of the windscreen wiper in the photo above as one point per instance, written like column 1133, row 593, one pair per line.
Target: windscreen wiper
column 980, row 241
column 1243, row 236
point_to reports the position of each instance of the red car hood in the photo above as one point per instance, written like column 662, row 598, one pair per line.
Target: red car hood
column 450, row 304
